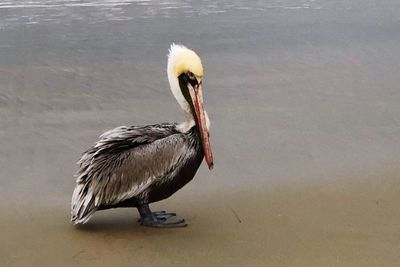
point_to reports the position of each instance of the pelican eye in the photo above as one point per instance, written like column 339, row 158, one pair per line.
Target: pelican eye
column 191, row 75
column 192, row 78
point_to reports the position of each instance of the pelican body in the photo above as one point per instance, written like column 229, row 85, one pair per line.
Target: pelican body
column 133, row 166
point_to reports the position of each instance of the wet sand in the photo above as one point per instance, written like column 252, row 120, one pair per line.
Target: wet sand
column 304, row 103
column 350, row 222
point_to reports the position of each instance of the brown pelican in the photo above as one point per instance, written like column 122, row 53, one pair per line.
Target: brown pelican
column 132, row 166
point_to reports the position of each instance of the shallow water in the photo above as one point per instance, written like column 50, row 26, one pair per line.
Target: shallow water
column 66, row 11
column 304, row 102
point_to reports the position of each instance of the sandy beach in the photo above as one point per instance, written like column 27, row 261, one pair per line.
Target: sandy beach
column 304, row 102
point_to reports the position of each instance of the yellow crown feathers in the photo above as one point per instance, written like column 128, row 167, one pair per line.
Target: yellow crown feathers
column 185, row 60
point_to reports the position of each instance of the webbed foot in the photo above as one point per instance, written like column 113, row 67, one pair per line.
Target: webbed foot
column 159, row 219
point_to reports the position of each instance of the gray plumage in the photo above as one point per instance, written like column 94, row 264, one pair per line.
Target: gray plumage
column 136, row 164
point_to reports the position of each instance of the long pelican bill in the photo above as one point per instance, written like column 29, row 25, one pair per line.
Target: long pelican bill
column 201, row 118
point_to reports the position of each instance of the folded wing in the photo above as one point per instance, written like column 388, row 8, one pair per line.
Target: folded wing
column 122, row 164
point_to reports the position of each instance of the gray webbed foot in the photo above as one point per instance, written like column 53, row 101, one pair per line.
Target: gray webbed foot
column 159, row 219
column 163, row 215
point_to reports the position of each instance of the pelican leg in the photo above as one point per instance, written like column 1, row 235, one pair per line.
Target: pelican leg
column 158, row 219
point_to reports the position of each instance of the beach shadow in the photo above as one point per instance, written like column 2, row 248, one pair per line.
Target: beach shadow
column 120, row 223
column 111, row 221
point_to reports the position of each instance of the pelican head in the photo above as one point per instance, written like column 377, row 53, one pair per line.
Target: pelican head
column 185, row 75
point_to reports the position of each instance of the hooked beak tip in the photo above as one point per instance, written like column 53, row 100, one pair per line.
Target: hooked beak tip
column 211, row 166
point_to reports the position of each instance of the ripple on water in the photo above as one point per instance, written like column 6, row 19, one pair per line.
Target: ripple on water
column 66, row 11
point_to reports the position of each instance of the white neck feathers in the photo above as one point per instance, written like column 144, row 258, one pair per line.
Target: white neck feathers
column 174, row 53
